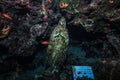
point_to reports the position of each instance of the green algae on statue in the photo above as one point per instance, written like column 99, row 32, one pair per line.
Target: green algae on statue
column 58, row 46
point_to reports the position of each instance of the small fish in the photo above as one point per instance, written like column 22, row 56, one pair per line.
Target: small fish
column 7, row 16
column 5, row 31
column 49, row 1
column 44, row 42
column 19, row 19
column 118, row 10
column 104, row 61
column 28, row 15
column 63, row 5
column 44, row 7
column 111, row 1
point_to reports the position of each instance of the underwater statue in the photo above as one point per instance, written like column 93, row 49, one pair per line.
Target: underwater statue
column 57, row 46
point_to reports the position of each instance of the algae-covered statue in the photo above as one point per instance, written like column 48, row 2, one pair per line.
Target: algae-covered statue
column 58, row 46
